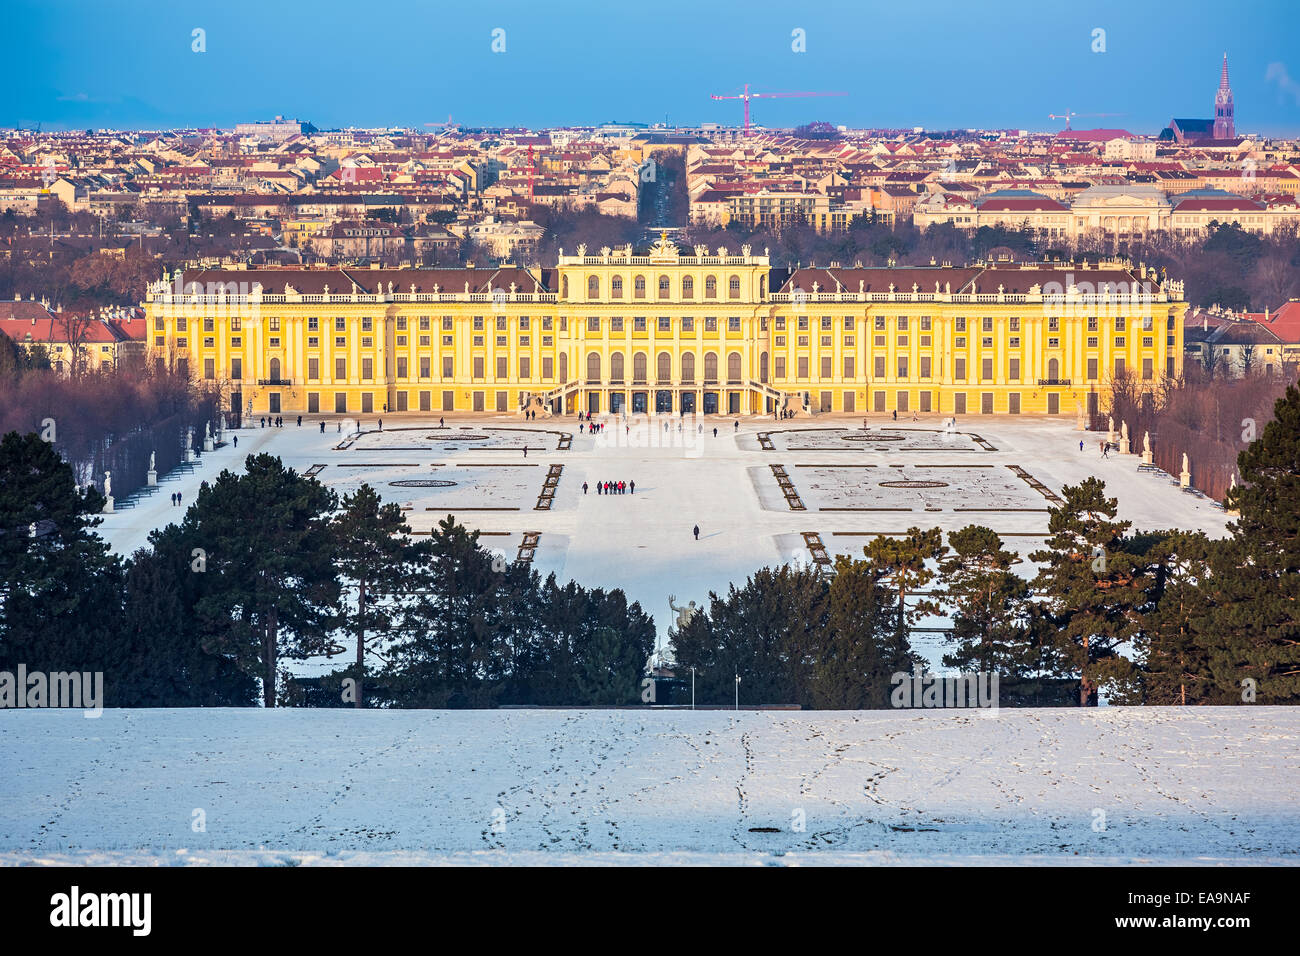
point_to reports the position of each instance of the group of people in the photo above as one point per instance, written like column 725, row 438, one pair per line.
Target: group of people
column 612, row 487
column 593, row 427
column 176, row 498
column 530, row 414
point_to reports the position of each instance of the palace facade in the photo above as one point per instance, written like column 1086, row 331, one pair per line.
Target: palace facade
column 671, row 331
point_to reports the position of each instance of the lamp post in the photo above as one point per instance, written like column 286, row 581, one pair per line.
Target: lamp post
column 692, row 688
column 737, row 693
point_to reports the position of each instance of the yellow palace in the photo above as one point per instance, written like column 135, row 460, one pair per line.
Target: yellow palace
column 671, row 331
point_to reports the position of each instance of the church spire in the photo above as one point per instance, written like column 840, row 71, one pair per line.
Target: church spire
column 1224, row 125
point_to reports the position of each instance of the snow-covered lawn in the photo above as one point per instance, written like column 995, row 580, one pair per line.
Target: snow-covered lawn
column 327, row 786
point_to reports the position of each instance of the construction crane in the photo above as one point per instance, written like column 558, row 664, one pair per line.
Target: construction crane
column 445, row 126
column 1070, row 113
column 747, row 96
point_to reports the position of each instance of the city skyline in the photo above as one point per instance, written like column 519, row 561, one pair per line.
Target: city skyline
column 996, row 73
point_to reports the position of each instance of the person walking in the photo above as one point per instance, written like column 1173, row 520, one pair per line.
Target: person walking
column 178, row 498
column 896, row 414
column 697, row 532
column 381, row 424
column 525, row 451
column 579, row 428
column 300, row 421
column 584, row 487
column 322, row 426
column 1080, row 444
column 715, row 433
column 236, row 438
column 441, row 424
column 632, row 485
column 737, row 423
column 598, row 487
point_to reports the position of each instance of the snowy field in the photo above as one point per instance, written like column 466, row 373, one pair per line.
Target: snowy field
column 1117, row 785
column 643, row 544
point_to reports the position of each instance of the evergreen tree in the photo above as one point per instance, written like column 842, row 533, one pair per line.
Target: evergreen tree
column 859, row 649
column 1255, row 627
column 268, row 586
column 452, row 658
column 904, row 561
column 765, row 632
column 1092, row 589
column 376, row 557
column 990, row 607
column 1174, row 665
column 60, row 586
column 169, row 666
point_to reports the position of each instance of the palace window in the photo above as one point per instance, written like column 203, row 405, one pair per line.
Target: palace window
column 616, row 287
column 664, row 287
column 688, row 287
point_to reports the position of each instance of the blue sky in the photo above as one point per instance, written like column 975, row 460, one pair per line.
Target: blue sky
column 938, row 64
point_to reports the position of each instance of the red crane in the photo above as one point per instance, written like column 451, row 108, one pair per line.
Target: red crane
column 747, row 96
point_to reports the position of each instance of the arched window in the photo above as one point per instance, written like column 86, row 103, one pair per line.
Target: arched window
column 762, row 367
column 710, row 287
column 564, row 287
column 688, row 368
column 1053, row 369
column 638, row 367
column 564, row 366
column 616, row 287
column 710, row 366
column 593, row 367
column 733, row 287
column 664, row 287
column 593, row 287
column 638, row 287
column 733, row 367
column 275, row 369
column 616, row 367
column 665, row 369
column 688, row 287
column 762, row 285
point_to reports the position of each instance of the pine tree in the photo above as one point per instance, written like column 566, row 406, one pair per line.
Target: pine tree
column 1092, row 589
column 904, row 561
column 376, row 557
column 60, row 585
column 451, row 659
column 263, row 551
column 859, row 649
column 1173, row 663
column 989, row 606
column 1255, row 627
column 169, row 666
